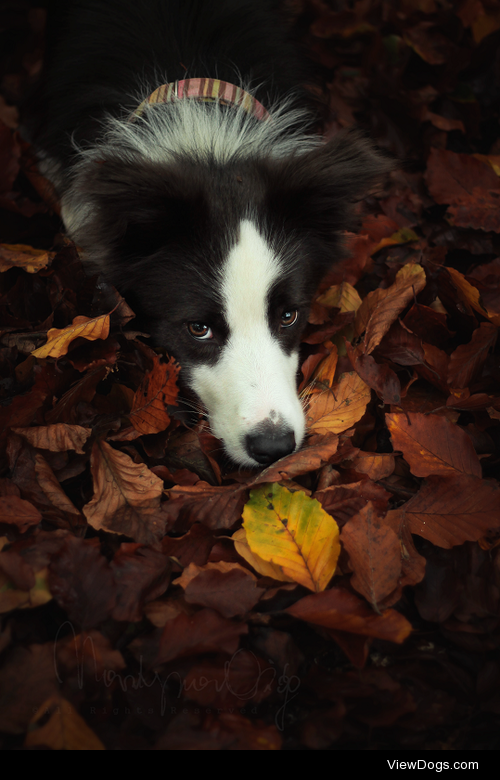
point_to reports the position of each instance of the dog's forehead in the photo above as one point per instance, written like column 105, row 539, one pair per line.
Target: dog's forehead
column 247, row 275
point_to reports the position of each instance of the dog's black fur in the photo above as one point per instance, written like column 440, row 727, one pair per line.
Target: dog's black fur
column 161, row 222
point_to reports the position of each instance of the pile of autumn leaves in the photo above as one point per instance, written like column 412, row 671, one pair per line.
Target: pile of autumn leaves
column 93, row 448
column 335, row 493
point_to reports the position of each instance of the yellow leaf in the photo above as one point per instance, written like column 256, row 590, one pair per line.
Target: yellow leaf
column 292, row 531
column 266, row 568
column 492, row 160
column 343, row 296
column 341, row 407
column 23, row 256
column 82, row 327
column 64, row 730
column 403, row 236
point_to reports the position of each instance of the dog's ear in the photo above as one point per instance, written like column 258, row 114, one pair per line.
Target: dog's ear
column 317, row 192
column 136, row 208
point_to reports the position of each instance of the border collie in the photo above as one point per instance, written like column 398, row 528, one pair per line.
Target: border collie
column 180, row 138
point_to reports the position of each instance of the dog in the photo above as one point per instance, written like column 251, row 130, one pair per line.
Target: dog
column 179, row 136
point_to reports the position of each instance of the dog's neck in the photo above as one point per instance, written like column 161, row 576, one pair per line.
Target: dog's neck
column 206, row 91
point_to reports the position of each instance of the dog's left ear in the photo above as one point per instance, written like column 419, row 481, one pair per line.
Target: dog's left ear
column 317, row 192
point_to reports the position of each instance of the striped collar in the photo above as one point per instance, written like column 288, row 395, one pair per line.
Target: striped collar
column 206, row 91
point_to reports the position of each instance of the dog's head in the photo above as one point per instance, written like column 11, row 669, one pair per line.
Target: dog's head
column 221, row 262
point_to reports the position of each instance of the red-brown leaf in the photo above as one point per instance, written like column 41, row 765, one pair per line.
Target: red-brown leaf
column 451, row 510
column 433, row 445
column 343, row 611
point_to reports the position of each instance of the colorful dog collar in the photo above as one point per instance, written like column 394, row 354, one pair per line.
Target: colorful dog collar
column 207, row 91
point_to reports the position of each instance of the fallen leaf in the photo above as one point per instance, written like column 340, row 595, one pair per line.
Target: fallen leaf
column 17, row 511
column 340, row 408
column 126, row 496
column 65, row 729
column 58, row 341
column 294, row 532
column 468, row 359
column 341, row 296
column 343, row 611
column 228, row 588
column 374, row 465
column 56, row 438
column 450, row 510
column 265, row 568
column 203, row 632
column 374, row 554
column 25, row 257
column 431, row 444
column 157, row 390
column 409, row 281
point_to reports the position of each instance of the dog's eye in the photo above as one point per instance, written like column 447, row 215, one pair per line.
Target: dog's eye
column 200, row 331
column 289, row 318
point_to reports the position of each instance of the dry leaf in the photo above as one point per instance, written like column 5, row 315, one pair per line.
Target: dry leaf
column 25, row 257
column 59, row 340
column 157, row 390
column 65, row 729
column 294, row 532
column 56, row 438
column 343, row 611
column 340, row 408
column 374, row 553
column 431, row 444
column 126, row 496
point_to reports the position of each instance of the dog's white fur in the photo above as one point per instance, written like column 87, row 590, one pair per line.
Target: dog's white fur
column 253, row 381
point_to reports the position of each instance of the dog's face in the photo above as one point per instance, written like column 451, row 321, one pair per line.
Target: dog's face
column 221, row 264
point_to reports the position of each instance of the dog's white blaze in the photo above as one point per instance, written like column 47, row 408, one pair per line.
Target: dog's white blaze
column 253, row 380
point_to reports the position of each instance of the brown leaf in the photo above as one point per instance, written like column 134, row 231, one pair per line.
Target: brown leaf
column 65, row 729
column 481, row 210
column 344, row 501
column 343, row 611
column 431, row 444
column 468, row 185
column 27, row 678
column 193, row 547
column 82, row 583
column 38, row 483
column 203, row 632
column 429, row 43
column 341, row 407
column 126, row 496
column 409, row 281
column 318, row 450
column 56, row 438
column 82, row 392
column 467, row 360
column 450, row 510
column 22, row 256
column 374, row 553
column 374, row 465
column 58, row 341
column 378, row 376
column 215, row 506
column 16, row 511
column 228, row 588
column 141, row 574
column 157, row 390
column 412, row 563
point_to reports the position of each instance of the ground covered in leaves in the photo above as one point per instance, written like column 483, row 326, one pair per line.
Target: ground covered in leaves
column 347, row 596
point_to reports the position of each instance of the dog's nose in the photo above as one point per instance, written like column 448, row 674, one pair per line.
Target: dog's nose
column 270, row 443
